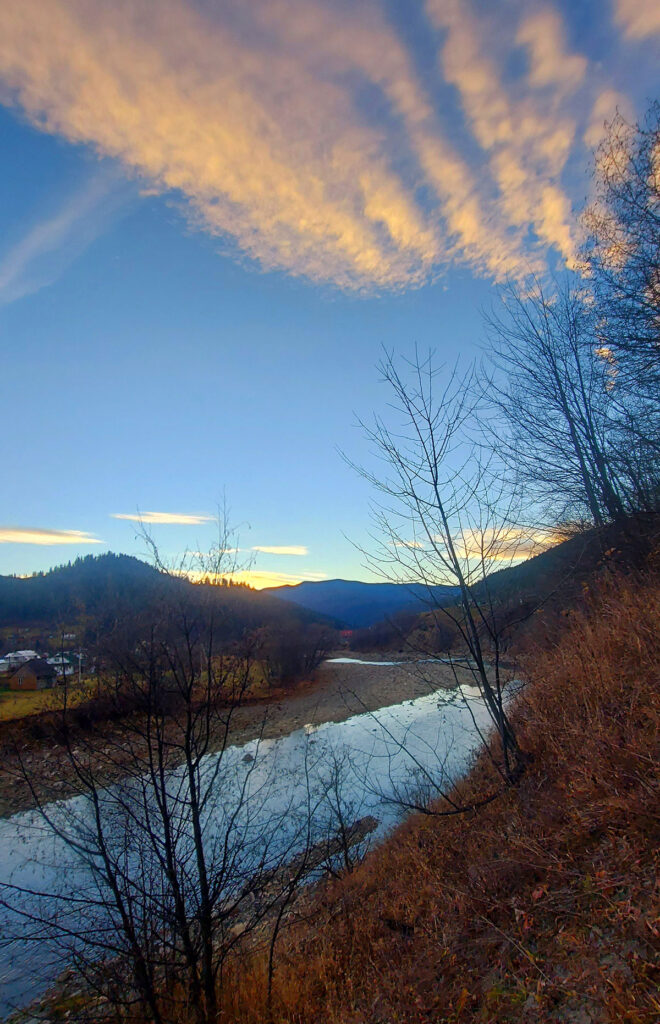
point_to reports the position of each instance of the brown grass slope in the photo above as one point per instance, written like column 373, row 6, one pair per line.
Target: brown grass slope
column 543, row 906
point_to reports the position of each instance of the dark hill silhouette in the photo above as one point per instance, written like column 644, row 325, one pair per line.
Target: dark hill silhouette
column 555, row 575
column 564, row 567
column 356, row 604
column 105, row 586
column 102, row 588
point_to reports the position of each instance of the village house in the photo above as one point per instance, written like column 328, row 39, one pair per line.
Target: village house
column 35, row 674
column 63, row 664
column 10, row 662
column 15, row 658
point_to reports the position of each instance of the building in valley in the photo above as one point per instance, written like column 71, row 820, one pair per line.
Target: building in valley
column 35, row 674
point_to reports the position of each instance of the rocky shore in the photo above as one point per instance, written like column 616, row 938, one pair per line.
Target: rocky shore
column 337, row 691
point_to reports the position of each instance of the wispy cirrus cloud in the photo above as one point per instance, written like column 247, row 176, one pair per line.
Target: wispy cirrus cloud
column 281, row 549
column 163, row 518
column 45, row 537
column 52, row 243
column 305, row 133
column 524, row 130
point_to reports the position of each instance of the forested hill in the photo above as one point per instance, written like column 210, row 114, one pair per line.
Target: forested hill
column 563, row 568
column 356, row 604
column 100, row 587
column 559, row 571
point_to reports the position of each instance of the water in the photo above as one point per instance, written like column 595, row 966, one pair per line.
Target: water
column 378, row 756
column 417, row 661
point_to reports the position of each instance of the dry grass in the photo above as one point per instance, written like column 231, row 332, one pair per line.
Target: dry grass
column 541, row 907
column 15, row 704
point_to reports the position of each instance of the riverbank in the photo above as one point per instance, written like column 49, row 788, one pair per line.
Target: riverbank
column 542, row 906
column 337, row 691
column 437, row 730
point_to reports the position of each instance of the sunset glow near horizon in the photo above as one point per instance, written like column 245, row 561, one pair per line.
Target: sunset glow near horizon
column 213, row 217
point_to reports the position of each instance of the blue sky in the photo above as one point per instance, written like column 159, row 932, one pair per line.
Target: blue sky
column 213, row 215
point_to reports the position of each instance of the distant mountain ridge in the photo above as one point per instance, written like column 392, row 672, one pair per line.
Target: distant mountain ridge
column 356, row 604
column 104, row 586
column 82, row 586
column 99, row 585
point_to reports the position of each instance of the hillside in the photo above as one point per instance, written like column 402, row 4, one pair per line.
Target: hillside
column 540, row 906
column 99, row 588
column 356, row 604
column 547, row 582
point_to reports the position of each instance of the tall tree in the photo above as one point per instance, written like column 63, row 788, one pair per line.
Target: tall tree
column 443, row 518
column 552, row 391
column 622, row 249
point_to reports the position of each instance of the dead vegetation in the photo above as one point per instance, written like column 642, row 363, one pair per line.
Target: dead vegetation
column 542, row 906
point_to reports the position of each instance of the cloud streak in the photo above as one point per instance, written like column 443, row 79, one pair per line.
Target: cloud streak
column 504, row 545
column 281, row 549
column 163, row 518
column 302, row 134
column 44, row 537
column 52, row 244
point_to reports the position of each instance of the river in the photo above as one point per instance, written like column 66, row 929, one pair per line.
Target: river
column 377, row 753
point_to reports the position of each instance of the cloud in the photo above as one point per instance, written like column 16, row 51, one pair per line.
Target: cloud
column 549, row 64
column 163, row 518
column 523, row 130
column 275, row 549
column 505, row 545
column 638, row 18
column 605, row 107
column 259, row 579
column 52, row 244
column 33, row 535
column 303, row 134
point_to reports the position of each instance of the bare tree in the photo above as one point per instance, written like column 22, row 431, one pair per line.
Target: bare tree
column 180, row 849
column 445, row 516
column 177, row 847
column 556, row 414
column 622, row 250
column 171, row 859
column 293, row 651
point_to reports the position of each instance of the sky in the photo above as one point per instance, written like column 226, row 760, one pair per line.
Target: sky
column 214, row 215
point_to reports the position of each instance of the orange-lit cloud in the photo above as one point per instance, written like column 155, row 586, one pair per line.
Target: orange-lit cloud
column 638, row 18
column 258, row 578
column 255, row 117
column 277, row 549
column 606, row 105
column 525, row 132
column 33, row 535
column 504, row 545
column 163, row 518
column 542, row 33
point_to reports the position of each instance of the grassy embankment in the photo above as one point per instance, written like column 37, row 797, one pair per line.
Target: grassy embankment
column 15, row 704
column 542, row 906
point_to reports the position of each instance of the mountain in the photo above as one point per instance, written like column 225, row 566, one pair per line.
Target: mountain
column 81, row 587
column 355, row 604
column 557, row 573
column 105, row 587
